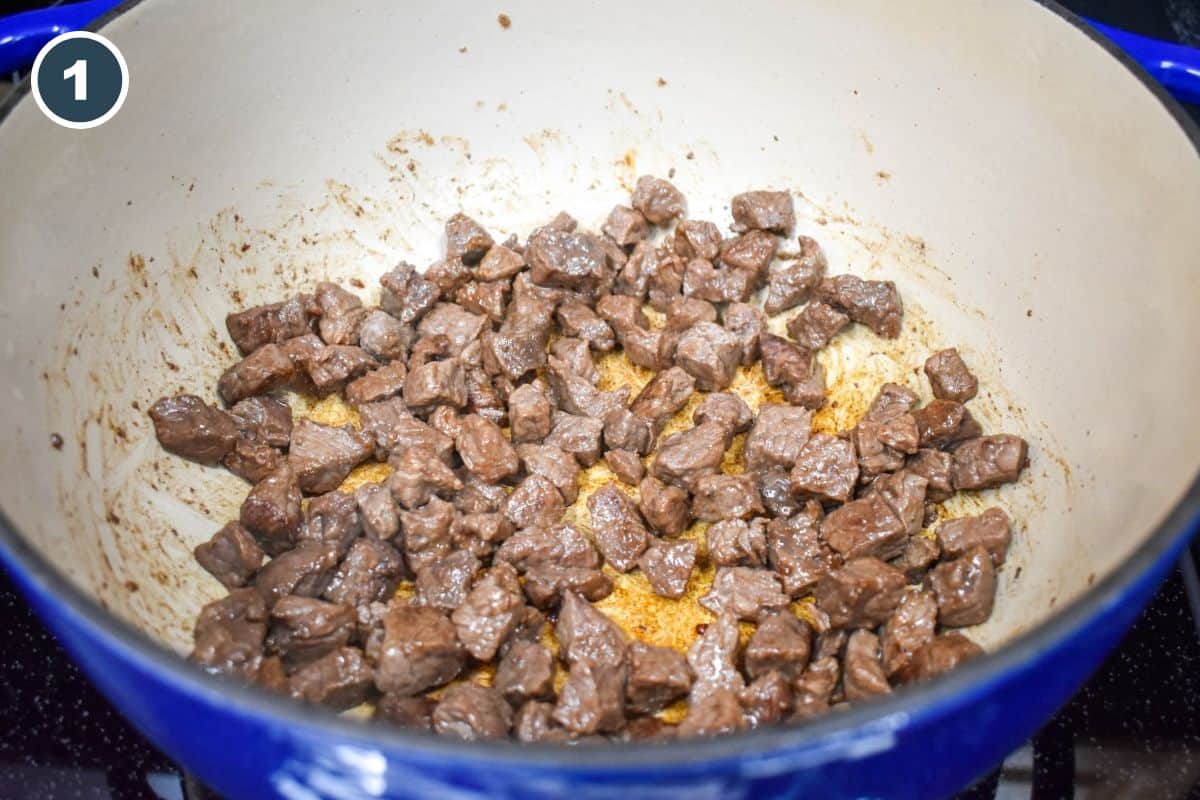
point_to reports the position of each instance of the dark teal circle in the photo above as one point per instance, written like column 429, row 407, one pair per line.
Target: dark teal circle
column 104, row 80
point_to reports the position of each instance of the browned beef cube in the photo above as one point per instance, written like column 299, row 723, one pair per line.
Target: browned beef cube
column 826, row 468
column 266, row 369
column 634, row 277
column 862, row 594
column 697, row 239
column 720, row 496
column 991, row 530
column 875, row 304
column 781, row 643
column 796, row 553
column 526, row 672
column 417, row 651
column 668, row 566
column 546, row 583
column 488, row 298
column 944, row 422
column 941, row 655
column 814, row 689
column 904, row 493
column 736, row 542
column 704, row 280
column 965, row 588
column 658, row 200
column 394, row 428
column 625, row 226
column 909, row 629
column 593, row 699
column 490, row 612
column 989, row 461
column 726, row 409
column 427, row 533
column 816, row 324
column 710, row 354
column 746, row 323
column 576, row 395
column 713, row 658
column 532, row 307
column 553, row 464
column 480, row 532
column 764, row 211
column 745, row 592
column 586, row 634
column 466, row 239
column 229, row 634
column 665, row 507
column 231, row 555
column 405, row 294
column 377, row 385
column 331, row 519
column 874, row 457
column 451, row 320
column 342, row 314
column 251, row 460
column 617, row 527
column 685, row 312
column 566, row 259
column 305, row 570
column 513, row 353
column 384, row 337
column 322, row 456
column 790, row 286
column 266, row 420
column 271, row 511
column 663, row 396
column 579, row 436
column 778, row 434
column 864, row 676
column 370, row 572
column 775, row 488
column 304, row 628
column 187, row 426
column 417, row 475
column 499, row 263
column 626, row 465
column 377, row 509
column 949, row 376
column 793, row 370
column 578, row 320
column 338, row 680
column 935, row 467
column 535, row 502
column 575, row 357
column 622, row 313
column 750, row 253
column 891, row 401
column 477, row 497
column 267, row 324
column 561, row 544
column 444, row 584
column 415, row 713
column 919, row 554
column 713, row 713
column 865, row 527
column 331, row 367
column 436, row 383
column 529, row 413
column 685, row 457
column 665, row 278
column 448, row 276
column 657, row 677
column 767, row 700
column 534, row 723
column 485, row 451
column 472, row 713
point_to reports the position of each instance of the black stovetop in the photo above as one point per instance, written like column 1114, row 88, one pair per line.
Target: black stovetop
column 1133, row 731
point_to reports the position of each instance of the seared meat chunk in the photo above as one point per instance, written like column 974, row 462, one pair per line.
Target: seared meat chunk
column 342, row 314
column 427, row 533
column 593, row 699
column 781, row 643
column 266, row 369
column 750, row 253
column 919, row 554
column 338, row 680
column 779, row 433
column 745, row 592
column 444, row 584
column 579, row 436
column 331, row 519
column 965, row 588
column 267, row 324
column 642, row 346
column 485, row 451
column 561, row 545
column 944, row 422
column 266, row 420
column 580, row 321
column 305, row 570
column 705, row 281
column 865, row 527
column 526, row 672
column 864, row 673
column 875, row 304
column 472, row 713
column 814, row 689
column 304, row 628
column 657, row 677
column 331, row 367
column 713, row 658
column 668, row 566
column 904, row 493
column 941, row 655
column 816, row 325
column 625, row 226
column 764, row 211
column 862, row 594
column 513, row 353
column 529, row 413
column 685, row 312
column 935, row 467
column 826, row 468
column 546, row 583
column 553, row 464
column 909, row 629
column 231, row 555
column 271, row 511
column 949, row 376
column 534, row 723
column 377, row 509
column 500, row 262
column 535, row 502
column 793, row 370
column 418, row 475
column 490, row 612
column 188, row 427
column 665, row 394
column 795, row 550
column 767, row 700
column 436, row 383
column 448, row 275
column 576, row 395
column 697, row 239
column 251, row 460
column 459, row 326
column 406, row 294
column 617, row 527
column 466, row 239
column 726, row 409
column 417, row 651
column 575, row 357
column 747, row 324
column 710, row 354
column 378, row 384
column 775, row 487
column 713, row 713
column 736, row 542
column 665, row 507
column 322, row 456
column 370, row 572
column 229, row 633
column 989, row 461
column 566, row 259
column 991, row 530
column 394, row 428
column 657, row 200
column 484, row 297
column 720, row 496
column 586, row 634
column 407, row 712
column 626, row 465
column 384, row 337
column 685, row 457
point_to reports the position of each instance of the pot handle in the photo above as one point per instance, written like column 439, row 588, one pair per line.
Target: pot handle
column 1175, row 66
column 23, row 35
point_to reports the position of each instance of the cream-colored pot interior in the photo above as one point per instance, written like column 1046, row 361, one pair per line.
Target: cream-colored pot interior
column 1035, row 204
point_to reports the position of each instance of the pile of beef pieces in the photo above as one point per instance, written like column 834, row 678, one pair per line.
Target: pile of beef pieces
column 475, row 381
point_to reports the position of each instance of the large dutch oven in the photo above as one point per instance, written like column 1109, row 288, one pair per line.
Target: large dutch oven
column 1036, row 199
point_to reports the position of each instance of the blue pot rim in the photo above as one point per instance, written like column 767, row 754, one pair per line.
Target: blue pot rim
column 908, row 705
